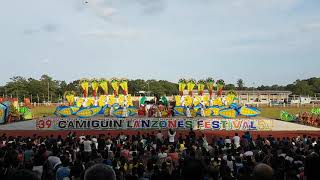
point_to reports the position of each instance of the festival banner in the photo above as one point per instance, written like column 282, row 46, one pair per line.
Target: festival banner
column 153, row 123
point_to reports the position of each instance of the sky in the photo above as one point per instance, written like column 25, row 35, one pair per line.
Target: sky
column 260, row 41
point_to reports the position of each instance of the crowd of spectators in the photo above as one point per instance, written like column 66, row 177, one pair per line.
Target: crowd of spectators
column 159, row 155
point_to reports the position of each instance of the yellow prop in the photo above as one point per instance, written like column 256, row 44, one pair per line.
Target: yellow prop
column 70, row 99
column 112, row 100
column 104, row 86
column 188, row 101
column 79, row 102
column 190, row 86
column 115, row 86
column 196, row 100
column 124, row 86
column 85, row 87
column 178, row 100
column 217, row 102
column 129, row 100
column 230, row 99
column 95, row 86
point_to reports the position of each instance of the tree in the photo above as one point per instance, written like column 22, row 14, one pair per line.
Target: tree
column 303, row 88
column 229, row 87
column 137, row 85
column 240, row 84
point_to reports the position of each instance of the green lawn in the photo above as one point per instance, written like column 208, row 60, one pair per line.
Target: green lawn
column 268, row 112
column 274, row 112
column 40, row 111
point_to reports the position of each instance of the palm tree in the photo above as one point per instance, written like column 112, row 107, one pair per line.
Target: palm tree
column 240, row 84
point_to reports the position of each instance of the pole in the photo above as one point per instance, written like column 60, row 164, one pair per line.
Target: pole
column 48, row 93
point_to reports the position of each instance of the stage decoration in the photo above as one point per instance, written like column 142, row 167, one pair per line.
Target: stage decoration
column 115, row 105
column 84, row 83
column 182, row 85
column 95, row 87
column 115, row 86
column 230, row 97
column 220, row 86
column 69, row 96
column 285, row 116
column 120, row 104
column 10, row 111
column 124, row 86
column 142, row 100
column 164, row 100
column 201, row 84
column 203, row 105
column 210, row 86
column 191, row 83
column 2, row 113
column 104, row 85
column 315, row 111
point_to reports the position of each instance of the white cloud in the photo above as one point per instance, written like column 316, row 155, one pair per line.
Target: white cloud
column 119, row 34
column 45, row 61
column 311, row 27
column 101, row 9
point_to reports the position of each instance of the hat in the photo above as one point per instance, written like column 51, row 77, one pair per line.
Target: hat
column 248, row 153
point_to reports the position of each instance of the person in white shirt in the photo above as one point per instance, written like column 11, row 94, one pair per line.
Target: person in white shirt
column 202, row 112
column 82, row 138
column 182, row 101
column 227, row 140
column 162, row 156
column 188, row 113
column 211, row 102
column 87, row 145
column 202, row 105
column 171, row 135
column 95, row 142
column 236, row 140
column 124, row 111
column 111, row 110
column 148, row 107
column 122, row 137
column 159, row 136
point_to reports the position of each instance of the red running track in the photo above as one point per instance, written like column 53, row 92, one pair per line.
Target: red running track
column 183, row 132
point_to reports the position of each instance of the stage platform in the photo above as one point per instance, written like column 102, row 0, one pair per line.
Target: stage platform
column 277, row 125
column 278, row 128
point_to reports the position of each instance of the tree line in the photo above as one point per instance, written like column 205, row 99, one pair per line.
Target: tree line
column 48, row 89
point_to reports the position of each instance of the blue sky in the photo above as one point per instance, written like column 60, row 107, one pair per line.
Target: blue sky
column 262, row 42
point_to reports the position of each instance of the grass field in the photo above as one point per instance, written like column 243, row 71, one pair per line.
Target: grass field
column 268, row 112
column 274, row 112
column 40, row 111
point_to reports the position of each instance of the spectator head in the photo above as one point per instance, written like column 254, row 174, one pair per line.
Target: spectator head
column 262, row 172
column 236, row 134
column 100, row 172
